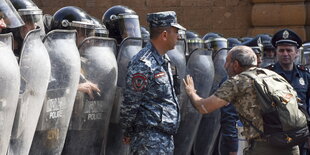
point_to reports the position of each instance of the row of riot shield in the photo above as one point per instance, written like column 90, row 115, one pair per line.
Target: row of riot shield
column 10, row 83
column 200, row 66
column 207, row 134
column 53, row 123
column 89, row 123
column 127, row 49
column 198, row 133
column 35, row 68
column 52, row 118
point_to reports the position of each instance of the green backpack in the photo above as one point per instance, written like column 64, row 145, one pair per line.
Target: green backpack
column 285, row 124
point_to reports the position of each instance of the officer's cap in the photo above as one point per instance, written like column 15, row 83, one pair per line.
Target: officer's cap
column 286, row 37
column 163, row 19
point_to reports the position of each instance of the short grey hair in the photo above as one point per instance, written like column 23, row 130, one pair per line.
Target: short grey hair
column 244, row 55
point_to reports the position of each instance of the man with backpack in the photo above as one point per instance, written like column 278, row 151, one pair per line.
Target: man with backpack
column 265, row 102
column 287, row 43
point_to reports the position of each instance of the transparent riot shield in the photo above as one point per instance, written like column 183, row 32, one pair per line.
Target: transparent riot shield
column 200, row 67
column 210, row 123
column 9, row 84
column 219, row 59
column 129, row 47
column 7, row 39
column 90, row 117
column 35, row 69
column 177, row 58
column 55, row 116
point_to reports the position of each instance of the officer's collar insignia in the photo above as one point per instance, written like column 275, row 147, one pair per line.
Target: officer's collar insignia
column 302, row 81
column 285, row 34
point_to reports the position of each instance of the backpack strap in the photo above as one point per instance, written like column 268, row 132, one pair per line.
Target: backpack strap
column 251, row 124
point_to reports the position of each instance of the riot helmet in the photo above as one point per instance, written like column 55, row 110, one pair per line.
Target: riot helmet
column 255, row 43
column 8, row 16
column 269, row 50
column 47, row 21
column 244, row 39
column 100, row 29
column 193, row 41
column 233, row 42
column 74, row 18
column 305, row 54
column 121, row 22
column 31, row 15
column 211, row 35
column 257, row 46
column 216, row 43
column 145, row 34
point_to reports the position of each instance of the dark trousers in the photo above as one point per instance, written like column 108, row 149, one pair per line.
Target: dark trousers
column 264, row 148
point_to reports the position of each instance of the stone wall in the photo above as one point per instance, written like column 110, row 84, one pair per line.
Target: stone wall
column 232, row 18
column 268, row 16
column 228, row 17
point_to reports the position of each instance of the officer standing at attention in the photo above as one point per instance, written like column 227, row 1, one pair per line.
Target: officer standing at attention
column 287, row 43
column 150, row 113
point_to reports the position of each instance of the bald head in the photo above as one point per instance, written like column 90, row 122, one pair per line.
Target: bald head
column 244, row 55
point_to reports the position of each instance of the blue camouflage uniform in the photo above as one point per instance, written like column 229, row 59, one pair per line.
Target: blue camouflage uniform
column 150, row 110
column 150, row 113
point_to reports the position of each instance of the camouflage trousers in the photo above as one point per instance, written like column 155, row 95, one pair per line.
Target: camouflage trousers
column 152, row 142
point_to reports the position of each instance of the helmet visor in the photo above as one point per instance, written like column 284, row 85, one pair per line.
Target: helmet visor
column 33, row 17
column 194, row 44
column 9, row 15
column 216, row 44
column 129, row 26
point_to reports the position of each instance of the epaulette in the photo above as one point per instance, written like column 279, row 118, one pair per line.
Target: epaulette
column 303, row 68
column 270, row 67
column 145, row 56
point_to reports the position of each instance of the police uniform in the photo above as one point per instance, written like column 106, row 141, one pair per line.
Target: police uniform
column 239, row 90
column 150, row 111
column 299, row 77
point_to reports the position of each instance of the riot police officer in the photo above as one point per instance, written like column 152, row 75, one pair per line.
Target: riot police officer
column 233, row 42
column 100, row 29
column 9, row 17
column 32, row 17
column 193, row 41
column 269, row 52
column 74, row 18
column 10, row 74
column 121, row 22
column 305, row 54
column 210, row 123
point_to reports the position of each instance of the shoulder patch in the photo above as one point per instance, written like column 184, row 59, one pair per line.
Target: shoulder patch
column 139, row 81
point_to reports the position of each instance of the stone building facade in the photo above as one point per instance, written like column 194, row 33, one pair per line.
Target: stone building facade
column 232, row 18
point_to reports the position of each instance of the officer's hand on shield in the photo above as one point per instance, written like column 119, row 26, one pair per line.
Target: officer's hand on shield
column 89, row 88
column 126, row 140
